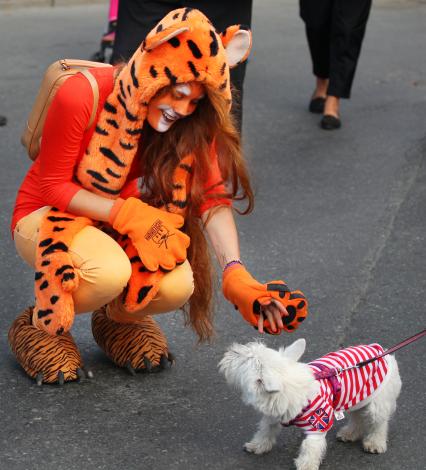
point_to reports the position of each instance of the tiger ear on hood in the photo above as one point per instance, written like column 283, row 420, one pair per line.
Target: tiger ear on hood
column 237, row 42
column 159, row 36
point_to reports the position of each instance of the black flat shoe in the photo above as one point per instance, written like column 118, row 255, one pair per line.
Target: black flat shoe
column 317, row 105
column 3, row 120
column 329, row 122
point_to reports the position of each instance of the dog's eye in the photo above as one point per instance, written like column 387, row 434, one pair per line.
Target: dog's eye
column 259, row 382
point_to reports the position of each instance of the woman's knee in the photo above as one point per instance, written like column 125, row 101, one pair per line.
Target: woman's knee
column 175, row 290
column 99, row 285
column 178, row 285
column 114, row 273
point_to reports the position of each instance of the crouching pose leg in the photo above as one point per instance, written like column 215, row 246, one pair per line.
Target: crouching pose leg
column 134, row 339
column 92, row 267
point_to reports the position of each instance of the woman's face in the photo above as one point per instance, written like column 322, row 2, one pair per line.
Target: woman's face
column 178, row 102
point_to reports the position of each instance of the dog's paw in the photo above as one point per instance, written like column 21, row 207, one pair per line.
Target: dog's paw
column 258, row 447
column 348, row 434
column 303, row 463
column 374, row 446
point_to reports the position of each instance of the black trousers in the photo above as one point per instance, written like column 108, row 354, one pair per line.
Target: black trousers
column 136, row 18
column 335, row 30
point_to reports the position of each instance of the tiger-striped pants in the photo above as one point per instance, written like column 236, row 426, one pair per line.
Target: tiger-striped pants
column 104, row 270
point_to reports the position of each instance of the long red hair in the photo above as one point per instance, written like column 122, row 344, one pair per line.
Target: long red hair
column 210, row 123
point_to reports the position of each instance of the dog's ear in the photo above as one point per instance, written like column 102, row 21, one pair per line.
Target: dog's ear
column 295, row 350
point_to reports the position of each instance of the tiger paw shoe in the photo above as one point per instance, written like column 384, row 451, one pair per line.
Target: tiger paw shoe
column 46, row 358
column 135, row 346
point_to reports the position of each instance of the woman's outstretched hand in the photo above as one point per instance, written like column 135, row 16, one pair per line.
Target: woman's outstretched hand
column 273, row 314
column 153, row 232
column 269, row 307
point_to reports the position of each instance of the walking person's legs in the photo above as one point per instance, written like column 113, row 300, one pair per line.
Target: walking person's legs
column 317, row 17
column 135, row 20
column 223, row 14
column 349, row 21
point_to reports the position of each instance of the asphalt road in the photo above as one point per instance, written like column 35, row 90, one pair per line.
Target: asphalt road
column 340, row 215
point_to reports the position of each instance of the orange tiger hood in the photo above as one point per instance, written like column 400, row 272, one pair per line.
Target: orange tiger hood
column 183, row 47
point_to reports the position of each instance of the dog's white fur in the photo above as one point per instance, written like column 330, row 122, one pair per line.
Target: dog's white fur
column 279, row 386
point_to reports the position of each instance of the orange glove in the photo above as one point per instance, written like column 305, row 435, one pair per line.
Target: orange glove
column 153, row 232
column 249, row 295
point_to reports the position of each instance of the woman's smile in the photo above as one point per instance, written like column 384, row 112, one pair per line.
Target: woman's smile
column 174, row 103
column 170, row 115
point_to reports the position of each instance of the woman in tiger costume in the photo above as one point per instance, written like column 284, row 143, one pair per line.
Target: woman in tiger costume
column 113, row 217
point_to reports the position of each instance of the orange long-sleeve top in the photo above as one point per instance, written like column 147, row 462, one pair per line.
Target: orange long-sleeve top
column 49, row 181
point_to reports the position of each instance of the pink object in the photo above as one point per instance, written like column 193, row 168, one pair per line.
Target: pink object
column 113, row 10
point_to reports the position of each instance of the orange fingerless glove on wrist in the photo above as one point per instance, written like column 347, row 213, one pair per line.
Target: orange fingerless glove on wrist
column 249, row 295
column 153, row 232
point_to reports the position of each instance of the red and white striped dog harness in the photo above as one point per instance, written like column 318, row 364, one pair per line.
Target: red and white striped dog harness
column 348, row 389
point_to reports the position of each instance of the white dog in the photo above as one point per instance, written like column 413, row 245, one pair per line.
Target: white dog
column 288, row 392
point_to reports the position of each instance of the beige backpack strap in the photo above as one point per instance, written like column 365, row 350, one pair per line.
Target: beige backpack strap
column 95, row 89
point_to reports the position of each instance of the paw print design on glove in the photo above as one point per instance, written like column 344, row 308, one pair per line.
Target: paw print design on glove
column 249, row 296
column 294, row 301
